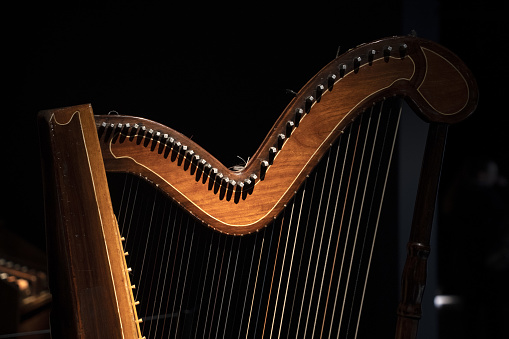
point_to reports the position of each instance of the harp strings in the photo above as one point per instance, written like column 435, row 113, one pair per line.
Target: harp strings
column 380, row 175
column 302, row 276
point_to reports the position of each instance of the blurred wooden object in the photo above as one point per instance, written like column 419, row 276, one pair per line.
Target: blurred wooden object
column 24, row 293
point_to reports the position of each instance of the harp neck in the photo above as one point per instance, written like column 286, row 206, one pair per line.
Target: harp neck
column 432, row 79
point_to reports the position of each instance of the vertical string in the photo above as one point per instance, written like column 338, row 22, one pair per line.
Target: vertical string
column 204, row 285
column 300, row 261
column 167, row 257
column 311, row 253
column 291, row 259
column 179, row 312
column 262, row 286
column 159, row 271
column 254, row 290
column 177, row 245
column 361, row 210
column 282, row 265
column 387, row 167
column 347, row 235
column 331, row 227
column 339, row 231
column 231, row 289
column 146, row 246
column 120, row 212
column 126, row 235
column 225, row 282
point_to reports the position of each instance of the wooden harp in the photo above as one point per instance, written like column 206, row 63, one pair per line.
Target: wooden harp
column 278, row 248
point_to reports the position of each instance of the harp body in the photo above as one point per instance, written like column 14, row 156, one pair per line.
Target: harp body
column 91, row 280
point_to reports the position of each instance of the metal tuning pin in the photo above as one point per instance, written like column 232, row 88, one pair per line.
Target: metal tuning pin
column 280, row 140
column 309, row 103
column 169, row 145
column 225, row 182
column 140, row 134
column 155, row 140
column 162, row 142
column 183, row 150
column 387, row 53
column 272, row 154
column 125, row 130
column 148, row 136
column 211, row 176
column 403, row 48
column 239, row 188
column 263, row 169
column 289, row 127
column 371, row 56
column 188, row 158
column 319, row 91
column 342, row 70
column 356, row 64
column 299, row 113
column 195, row 160
column 207, row 168
column 253, row 177
column 219, row 177
column 248, row 185
column 331, row 79
column 119, row 127
column 134, row 131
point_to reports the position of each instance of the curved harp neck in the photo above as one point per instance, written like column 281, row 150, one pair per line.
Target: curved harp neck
column 432, row 79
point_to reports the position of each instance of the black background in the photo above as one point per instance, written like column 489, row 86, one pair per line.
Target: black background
column 218, row 74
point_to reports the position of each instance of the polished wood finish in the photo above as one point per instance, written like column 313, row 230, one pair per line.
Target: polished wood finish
column 89, row 280
column 88, row 273
column 418, row 248
column 432, row 79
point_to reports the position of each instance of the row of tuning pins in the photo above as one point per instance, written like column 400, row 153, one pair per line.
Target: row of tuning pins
column 186, row 157
column 136, row 302
column 290, row 126
column 310, row 100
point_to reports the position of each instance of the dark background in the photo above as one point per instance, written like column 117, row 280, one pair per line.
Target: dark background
column 219, row 74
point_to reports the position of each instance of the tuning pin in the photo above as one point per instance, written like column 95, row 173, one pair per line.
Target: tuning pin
column 309, row 102
column 342, row 70
column 170, row 141
column 272, row 154
column 356, row 64
column 371, row 56
column 299, row 113
column 319, row 91
column 331, row 79
column 225, row 182
column 387, row 53
column 141, row 133
column 126, row 128
column 403, row 48
column 219, row 177
column 263, row 169
column 239, row 189
column 253, row 177
column 133, row 132
column 101, row 129
column 280, row 140
column 289, row 127
column 183, row 150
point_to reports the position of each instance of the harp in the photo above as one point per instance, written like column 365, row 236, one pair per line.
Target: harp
column 278, row 248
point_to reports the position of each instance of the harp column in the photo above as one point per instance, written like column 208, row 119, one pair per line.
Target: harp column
column 89, row 279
